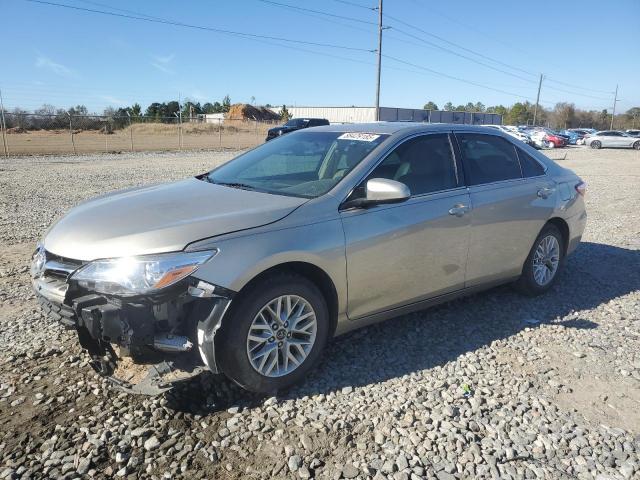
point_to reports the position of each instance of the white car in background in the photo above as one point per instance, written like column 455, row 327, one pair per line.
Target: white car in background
column 513, row 132
column 612, row 139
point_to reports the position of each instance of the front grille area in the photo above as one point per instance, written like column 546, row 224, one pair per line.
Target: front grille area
column 58, row 266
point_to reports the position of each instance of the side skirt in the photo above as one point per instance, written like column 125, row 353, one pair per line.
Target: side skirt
column 349, row 325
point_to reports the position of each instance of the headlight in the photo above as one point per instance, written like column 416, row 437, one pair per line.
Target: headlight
column 38, row 260
column 139, row 275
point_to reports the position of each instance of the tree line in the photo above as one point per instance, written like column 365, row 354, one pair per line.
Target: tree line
column 562, row 115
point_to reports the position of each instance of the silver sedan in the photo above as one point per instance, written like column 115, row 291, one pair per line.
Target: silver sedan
column 249, row 269
column 612, row 139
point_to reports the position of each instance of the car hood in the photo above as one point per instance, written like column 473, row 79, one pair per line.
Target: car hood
column 281, row 128
column 161, row 218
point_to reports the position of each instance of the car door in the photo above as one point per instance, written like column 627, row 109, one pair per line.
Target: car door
column 402, row 253
column 508, row 208
column 609, row 139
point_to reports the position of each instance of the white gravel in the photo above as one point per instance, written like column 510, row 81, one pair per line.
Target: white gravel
column 491, row 386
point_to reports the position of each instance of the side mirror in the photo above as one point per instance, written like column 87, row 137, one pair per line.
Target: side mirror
column 379, row 191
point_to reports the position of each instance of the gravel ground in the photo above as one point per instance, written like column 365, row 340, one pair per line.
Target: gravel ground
column 552, row 383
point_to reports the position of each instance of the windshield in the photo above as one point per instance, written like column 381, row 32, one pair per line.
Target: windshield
column 304, row 164
column 296, row 122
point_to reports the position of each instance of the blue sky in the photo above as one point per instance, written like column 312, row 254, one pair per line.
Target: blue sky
column 65, row 57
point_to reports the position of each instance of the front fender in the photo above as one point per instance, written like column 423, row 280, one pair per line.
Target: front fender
column 242, row 258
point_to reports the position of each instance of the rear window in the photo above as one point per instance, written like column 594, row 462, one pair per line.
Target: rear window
column 488, row 158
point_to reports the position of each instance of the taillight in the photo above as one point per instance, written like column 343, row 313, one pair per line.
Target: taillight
column 581, row 188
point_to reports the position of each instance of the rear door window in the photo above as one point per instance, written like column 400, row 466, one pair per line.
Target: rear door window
column 530, row 166
column 488, row 158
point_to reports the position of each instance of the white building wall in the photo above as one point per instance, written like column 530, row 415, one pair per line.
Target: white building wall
column 333, row 114
column 213, row 117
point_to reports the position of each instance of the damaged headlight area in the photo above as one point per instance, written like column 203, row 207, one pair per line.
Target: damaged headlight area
column 146, row 321
column 141, row 275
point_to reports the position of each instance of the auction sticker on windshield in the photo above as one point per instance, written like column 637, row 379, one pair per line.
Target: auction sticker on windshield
column 362, row 137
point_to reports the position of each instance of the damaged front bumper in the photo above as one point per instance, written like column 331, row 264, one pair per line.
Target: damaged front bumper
column 143, row 344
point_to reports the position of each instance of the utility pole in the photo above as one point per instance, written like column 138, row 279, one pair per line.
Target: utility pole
column 379, row 59
column 535, row 110
column 615, row 100
column 3, row 126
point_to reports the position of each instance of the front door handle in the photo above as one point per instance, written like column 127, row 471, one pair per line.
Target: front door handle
column 546, row 192
column 459, row 210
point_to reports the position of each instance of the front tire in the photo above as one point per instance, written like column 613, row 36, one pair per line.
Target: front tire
column 275, row 334
column 544, row 262
column 636, row 145
column 596, row 144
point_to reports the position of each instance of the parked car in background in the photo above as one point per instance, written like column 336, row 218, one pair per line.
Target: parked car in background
column 572, row 137
column 249, row 269
column 513, row 132
column 612, row 139
column 545, row 138
column 582, row 134
column 633, row 133
column 583, row 131
column 295, row 124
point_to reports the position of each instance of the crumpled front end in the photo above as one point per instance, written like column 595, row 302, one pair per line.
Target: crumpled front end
column 143, row 343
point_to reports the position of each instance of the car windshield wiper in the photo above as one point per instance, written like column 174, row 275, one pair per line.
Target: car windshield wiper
column 243, row 186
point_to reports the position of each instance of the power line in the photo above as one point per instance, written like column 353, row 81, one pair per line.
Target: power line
column 459, row 46
column 353, row 4
column 96, row 4
column 324, row 18
column 510, row 45
column 453, row 77
column 578, row 87
column 200, row 27
column 484, row 56
column 302, row 9
column 574, row 93
column 471, row 59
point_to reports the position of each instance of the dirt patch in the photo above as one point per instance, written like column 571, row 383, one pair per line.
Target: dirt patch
column 244, row 111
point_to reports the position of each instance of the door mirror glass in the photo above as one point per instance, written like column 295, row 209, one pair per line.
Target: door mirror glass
column 383, row 190
column 378, row 191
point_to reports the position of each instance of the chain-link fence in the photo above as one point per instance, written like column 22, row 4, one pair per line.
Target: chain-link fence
column 33, row 134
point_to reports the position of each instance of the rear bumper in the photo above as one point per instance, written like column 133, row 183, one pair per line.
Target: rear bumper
column 577, row 224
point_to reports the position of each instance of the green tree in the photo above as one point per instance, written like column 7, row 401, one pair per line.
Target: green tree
column 430, row 106
column 190, row 108
column 521, row 113
column 155, row 110
column 448, row 106
column 284, row 114
column 226, row 103
column 78, row 110
column 633, row 117
column 135, row 110
column 499, row 109
column 479, row 107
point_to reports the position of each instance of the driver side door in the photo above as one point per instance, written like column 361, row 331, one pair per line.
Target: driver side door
column 398, row 254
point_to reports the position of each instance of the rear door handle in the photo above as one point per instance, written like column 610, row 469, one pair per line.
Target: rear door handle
column 459, row 210
column 546, row 192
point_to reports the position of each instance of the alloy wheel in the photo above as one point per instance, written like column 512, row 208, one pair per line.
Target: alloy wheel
column 281, row 336
column 546, row 260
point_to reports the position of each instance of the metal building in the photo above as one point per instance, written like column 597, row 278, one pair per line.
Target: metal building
column 389, row 114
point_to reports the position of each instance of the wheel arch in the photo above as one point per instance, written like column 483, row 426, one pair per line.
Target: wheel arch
column 310, row 271
column 563, row 226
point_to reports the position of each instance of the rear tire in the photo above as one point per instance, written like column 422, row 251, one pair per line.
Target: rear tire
column 240, row 355
column 596, row 144
column 636, row 145
column 533, row 280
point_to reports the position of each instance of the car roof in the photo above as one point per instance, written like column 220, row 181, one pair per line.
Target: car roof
column 391, row 128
